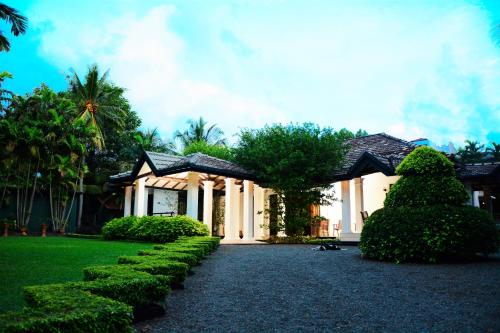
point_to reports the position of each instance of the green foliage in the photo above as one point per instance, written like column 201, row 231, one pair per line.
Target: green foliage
column 186, row 258
column 198, row 132
column 472, row 152
column 219, row 151
column 297, row 162
column 424, row 216
column 422, row 190
column 18, row 24
column 118, row 228
column 428, row 234
column 299, row 240
column 62, row 308
column 426, row 161
column 197, row 251
column 150, row 140
column 153, row 228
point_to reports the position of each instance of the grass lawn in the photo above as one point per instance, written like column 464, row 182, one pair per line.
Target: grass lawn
column 26, row 261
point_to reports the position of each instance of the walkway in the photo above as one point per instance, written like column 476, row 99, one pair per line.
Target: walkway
column 289, row 288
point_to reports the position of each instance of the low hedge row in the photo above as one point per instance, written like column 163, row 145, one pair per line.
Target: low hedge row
column 153, row 228
column 299, row 240
column 109, row 295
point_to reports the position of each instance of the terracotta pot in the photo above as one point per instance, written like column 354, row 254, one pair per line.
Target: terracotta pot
column 5, row 229
column 24, row 231
column 44, row 230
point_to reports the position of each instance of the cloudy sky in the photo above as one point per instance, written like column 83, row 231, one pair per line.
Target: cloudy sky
column 408, row 68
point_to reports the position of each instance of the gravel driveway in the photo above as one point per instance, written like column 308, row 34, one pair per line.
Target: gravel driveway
column 289, row 288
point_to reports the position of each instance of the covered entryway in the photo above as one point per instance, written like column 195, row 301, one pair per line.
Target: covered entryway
column 197, row 177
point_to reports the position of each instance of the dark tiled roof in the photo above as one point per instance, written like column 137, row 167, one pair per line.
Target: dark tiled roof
column 164, row 164
column 382, row 150
column 475, row 170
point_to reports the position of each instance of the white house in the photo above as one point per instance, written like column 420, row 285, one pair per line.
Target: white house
column 229, row 200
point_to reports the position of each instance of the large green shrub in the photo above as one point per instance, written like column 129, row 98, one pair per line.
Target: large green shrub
column 425, row 217
column 153, row 228
column 118, row 228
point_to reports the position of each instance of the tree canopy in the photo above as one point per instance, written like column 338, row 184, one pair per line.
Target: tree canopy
column 18, row 24
column 297, row 162
column 197, row 131
column 222, row 152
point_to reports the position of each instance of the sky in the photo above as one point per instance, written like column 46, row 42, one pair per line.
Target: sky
column 411, row 69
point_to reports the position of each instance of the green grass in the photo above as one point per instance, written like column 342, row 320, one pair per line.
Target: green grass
column 26, row 261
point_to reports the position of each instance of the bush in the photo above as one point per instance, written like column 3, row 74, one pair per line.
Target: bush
column 186, row 258
column 61, row 308
column 118, row 228
column 428, row 233
column 426, row 161
column 182, row 248
column 153, row 228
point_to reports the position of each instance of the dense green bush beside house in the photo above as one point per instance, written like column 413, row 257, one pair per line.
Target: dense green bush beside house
column 425, row 216
column 109, row 296
column 153, row 228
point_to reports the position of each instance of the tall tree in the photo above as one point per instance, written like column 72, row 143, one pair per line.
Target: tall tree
column 5, row 95
column 198, row 131
column 93, row 99
column 297, row 162
column 18, row 24
column 150, row 140
column 494, row 151
column 471, row 152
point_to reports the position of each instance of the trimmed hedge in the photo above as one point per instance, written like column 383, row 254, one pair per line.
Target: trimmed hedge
column 62, row 308
column 153, row 228
column 109, row 295
column 424, row 216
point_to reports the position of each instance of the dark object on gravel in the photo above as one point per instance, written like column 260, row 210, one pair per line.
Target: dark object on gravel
column 327, row 246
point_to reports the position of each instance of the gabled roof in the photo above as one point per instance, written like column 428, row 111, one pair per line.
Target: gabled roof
column 165, row 164
column 477, row 170
column 373, row 153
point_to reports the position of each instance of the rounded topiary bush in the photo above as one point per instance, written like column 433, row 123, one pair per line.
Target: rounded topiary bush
column 118, row 228
column 425, row 217
column 153, row 228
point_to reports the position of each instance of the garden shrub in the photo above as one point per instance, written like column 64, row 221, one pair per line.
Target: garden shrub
column 182, row 248
column 186, row 258
column 177, row 270
column 153, row 228
column 298, row 240
column 425, row 217
column 62, row 308
column 118, row 228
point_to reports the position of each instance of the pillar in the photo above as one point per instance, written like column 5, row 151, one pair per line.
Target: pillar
column 248, row 216
column 208, row 201
column 238, row 214
column 357, row 203
column 127, row 205
column 345, row 196
column 258, row 212
column 228, row 209
column 192, row 195
column 139, row 197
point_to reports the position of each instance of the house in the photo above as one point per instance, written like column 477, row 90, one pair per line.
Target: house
column 229, row 200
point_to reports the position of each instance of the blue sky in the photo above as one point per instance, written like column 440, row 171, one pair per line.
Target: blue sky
column 408, row 68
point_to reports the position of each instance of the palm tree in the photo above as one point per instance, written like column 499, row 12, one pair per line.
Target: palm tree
column 494, row 151
column 472, row 152
column 17, row 21
column 94, row 100
column 150, row 140
column 197, row 132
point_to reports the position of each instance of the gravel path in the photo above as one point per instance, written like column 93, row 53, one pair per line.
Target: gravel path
column 289, row 288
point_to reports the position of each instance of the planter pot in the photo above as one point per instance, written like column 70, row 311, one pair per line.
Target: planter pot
column 24, row 231
column 44, row 230
column 60, row 231
column 5, row 229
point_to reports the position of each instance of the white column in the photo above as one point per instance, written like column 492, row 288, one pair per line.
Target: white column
column 258, row 212
column 208, row 201
column 248, row 220
column 228, row 210
column 238, row 214
column 346, row 206
column 139, row 196
column 475, row 198
column 356, row 203
column 192, row 195
column 146, row 199
column 127, row 205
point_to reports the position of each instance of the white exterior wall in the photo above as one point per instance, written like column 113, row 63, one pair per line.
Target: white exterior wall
column 373, row 199
column 165, row 201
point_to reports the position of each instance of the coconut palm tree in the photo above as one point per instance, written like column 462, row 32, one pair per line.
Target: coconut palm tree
column 150, row 140
column 94, row 99
column 494, row 150
column 18, row 24
column 472, row 152
column 197, row 132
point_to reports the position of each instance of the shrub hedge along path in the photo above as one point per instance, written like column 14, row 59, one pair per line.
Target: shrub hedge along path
column 28, row 261
column 289, row 288
column 110, row 296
